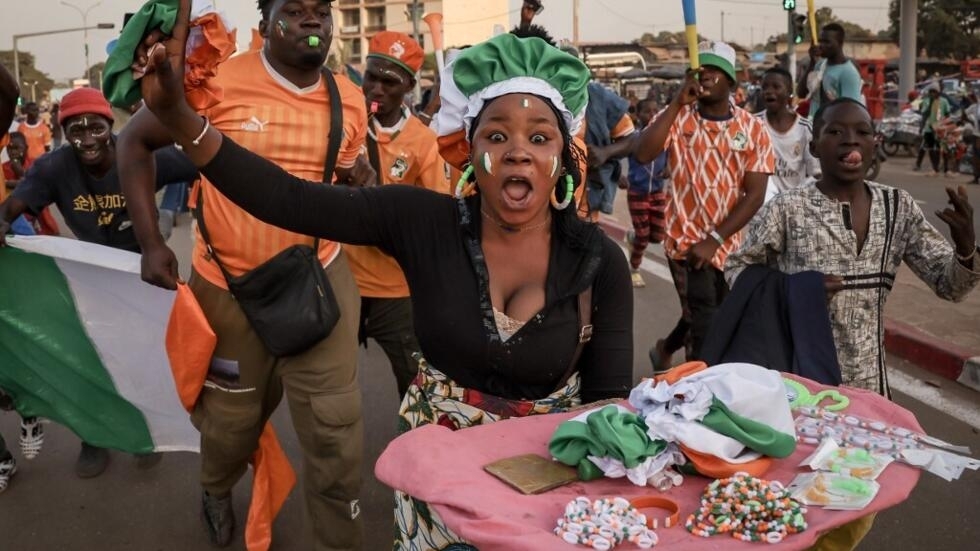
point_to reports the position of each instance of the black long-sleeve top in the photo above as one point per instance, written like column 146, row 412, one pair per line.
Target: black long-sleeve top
column 436, row 241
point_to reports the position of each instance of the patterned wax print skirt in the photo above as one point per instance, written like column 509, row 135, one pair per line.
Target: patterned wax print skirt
column 435, row 398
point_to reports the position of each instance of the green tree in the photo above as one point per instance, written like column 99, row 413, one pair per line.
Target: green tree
column 666, row 37
column 28, row 73
column 825, row 15
column 946, row 28
column 851, row 30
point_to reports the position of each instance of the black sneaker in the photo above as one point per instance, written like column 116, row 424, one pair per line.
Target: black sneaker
column 219, row 518
column 659, row 359
column 91, row 461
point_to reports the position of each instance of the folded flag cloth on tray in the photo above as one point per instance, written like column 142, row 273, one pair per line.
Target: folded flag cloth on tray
column 611, row 441
column 726, row 418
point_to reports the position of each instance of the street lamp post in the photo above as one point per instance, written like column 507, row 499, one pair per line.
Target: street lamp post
column 415, row 11
column 84, row 14
column 43, row 33
column 33, row 86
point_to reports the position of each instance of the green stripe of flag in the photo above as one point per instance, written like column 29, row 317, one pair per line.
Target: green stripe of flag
column 48, row 363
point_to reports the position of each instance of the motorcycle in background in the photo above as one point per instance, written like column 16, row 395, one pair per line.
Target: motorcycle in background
column 901, row 133
column 878, row 157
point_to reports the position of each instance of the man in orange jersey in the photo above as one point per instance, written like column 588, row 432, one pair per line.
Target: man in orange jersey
column 275, row 103
column 402, row 150
column 38, row 133
column 720, row 157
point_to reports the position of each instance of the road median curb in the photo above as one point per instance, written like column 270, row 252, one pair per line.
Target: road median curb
column 933, row 354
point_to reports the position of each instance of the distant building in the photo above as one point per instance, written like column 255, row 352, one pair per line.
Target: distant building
column 854, row 48
column 465, row 22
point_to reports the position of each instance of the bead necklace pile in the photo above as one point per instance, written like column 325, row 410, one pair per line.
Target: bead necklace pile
column 749, row 508
column 604, row 524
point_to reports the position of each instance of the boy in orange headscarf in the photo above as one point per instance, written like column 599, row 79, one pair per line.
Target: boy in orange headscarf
column 402, row 150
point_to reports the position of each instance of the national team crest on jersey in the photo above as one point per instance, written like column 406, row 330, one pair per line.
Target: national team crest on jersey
column 740, row 141
column 398, row 169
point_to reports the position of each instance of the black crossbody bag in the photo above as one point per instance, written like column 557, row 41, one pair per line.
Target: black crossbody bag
column 288, row 299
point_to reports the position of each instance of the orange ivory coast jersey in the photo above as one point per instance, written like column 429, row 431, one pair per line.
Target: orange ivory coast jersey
column 268, row 115
column 581, row 201
column 408, row 155
column 622, row 129
column 38, row 138
column 708, row 160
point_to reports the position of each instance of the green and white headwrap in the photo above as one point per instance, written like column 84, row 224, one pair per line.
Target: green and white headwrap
column 505, row 65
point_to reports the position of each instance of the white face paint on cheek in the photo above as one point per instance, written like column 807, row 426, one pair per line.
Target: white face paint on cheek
column 281, row 28
column 554, row 165
column 77, row 143
column 487, row 163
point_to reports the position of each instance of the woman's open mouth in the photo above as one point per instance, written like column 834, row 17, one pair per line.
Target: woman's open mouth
column 516, row 192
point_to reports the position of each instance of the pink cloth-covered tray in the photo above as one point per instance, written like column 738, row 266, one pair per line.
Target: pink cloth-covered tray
column 445, row 468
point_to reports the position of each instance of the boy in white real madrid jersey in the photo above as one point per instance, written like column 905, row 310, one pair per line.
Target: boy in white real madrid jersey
column 790, row 134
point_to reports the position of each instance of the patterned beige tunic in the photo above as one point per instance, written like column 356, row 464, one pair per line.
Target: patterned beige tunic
column 803, row 229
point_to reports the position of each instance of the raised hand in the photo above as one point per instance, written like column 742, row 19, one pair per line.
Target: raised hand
column 814, row 52
column 362, row 174
column 160, row 60
column 529, row 9
column 690, row 91
column 959, row 218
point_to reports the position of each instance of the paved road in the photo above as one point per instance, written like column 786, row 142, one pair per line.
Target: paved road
column 47, row 509
column 929, row 191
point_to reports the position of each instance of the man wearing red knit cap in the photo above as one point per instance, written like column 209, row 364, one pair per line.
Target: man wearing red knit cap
column 82, row 181
column 402, row 150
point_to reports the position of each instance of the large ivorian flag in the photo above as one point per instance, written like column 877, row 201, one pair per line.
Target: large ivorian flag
column 82, row 343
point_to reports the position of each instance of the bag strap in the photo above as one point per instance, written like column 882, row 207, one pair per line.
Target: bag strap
column 336, row 125
column 373, row 156
column 334, row 139
column 198, row 212
column 584, row 333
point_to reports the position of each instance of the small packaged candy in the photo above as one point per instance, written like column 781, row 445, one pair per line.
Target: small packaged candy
column 833, row 491
column 856, row 462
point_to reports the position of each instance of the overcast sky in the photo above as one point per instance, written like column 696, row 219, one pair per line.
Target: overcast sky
column 62, row 56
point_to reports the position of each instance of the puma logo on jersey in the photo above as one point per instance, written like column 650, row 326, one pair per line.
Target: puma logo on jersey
column 254, row 125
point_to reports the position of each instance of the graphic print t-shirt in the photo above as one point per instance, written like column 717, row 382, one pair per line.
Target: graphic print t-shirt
column 94, row 208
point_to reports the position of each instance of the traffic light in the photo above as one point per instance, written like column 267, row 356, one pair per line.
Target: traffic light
column 799, row 27
column 789, row 5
